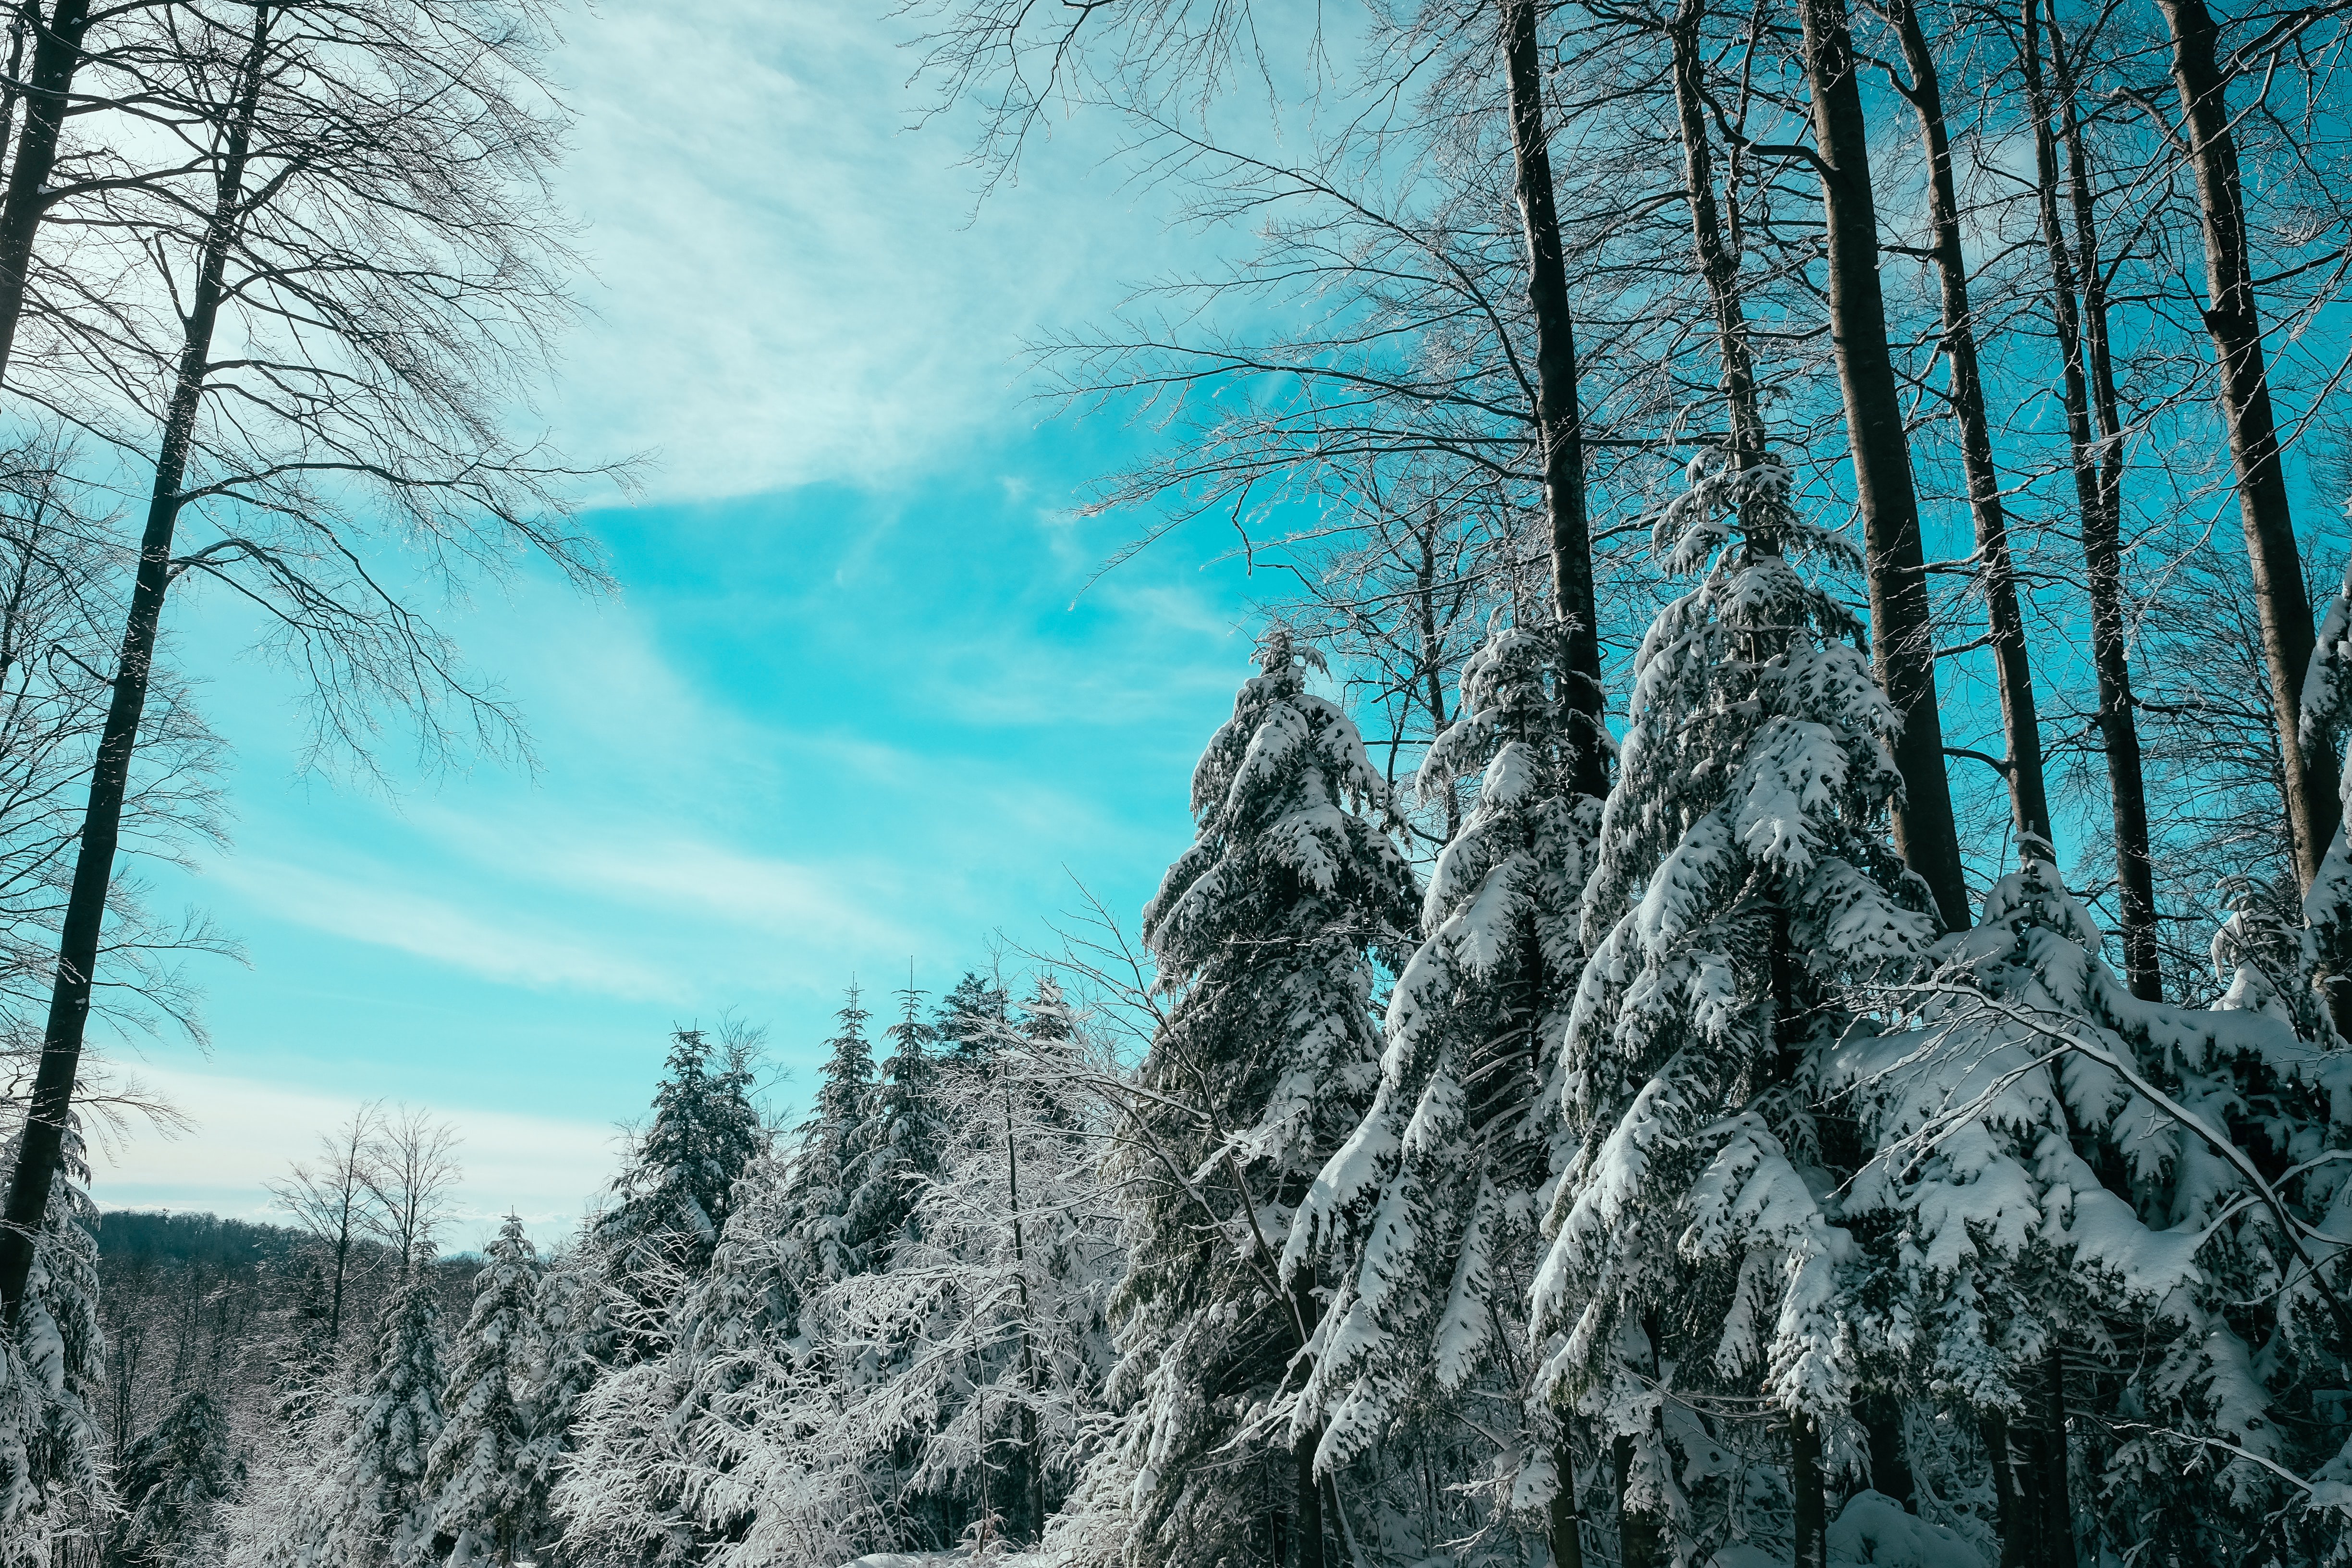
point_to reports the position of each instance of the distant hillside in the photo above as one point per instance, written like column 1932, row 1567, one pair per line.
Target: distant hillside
column 141, row 1236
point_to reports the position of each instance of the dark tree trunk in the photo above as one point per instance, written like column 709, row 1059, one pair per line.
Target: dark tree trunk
column 2094, row 488
column 2029, row 792
column 1640, row 1534
column 2234, row 323
column 57, row 55
column 1306, row 1524
column 1902, row 633
column 2055, row 1491
column 1559, row 426
column 2011, row 1517
column 53, row 1085
column 1809, row 1503
column 1718, row 263
column 1567, row 1519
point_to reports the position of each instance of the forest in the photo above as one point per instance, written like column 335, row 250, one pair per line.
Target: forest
column 1763, row 970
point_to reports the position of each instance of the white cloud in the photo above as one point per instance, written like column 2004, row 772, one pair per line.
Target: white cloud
column 430, row 928
column 247, row 1132
column 794, row 285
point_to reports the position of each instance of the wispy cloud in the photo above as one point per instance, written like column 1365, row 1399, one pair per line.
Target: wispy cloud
column 247, row 1131
column 499, row 948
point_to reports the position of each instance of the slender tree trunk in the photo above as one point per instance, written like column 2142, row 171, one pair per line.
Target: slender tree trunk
column 1902, row 632
column 1308, row 1490
column 1809, row 1505
column 1033, row 1489
column 2102, row 553
column 2011, row 1515
column 1640, row 1534
column 1717, row 262
column 2057, row 1490
column 2029, row 792
column 38, row 1153
column 1559, row 424
column 1567, row 1519
column 2233, row 322
column 56, row 55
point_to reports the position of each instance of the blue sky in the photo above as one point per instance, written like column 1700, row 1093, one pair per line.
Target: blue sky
column 843, row 713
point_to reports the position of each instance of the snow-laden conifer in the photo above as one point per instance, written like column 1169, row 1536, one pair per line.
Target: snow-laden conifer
column 831, row 1148
column 1263, row 932
column 672, row 1198
column 2085, row 1201
column 989, row 1334
column 382, row 1514
column 172, row 1481
column 478, row 1475
column 1431, row 1205
column 902, row 1142
column 1742, row 879
column 54, row 1490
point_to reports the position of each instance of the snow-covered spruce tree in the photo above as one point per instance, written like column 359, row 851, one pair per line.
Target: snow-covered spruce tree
column 1264, row 931
column 672, row 1198
column 381, row 1514
column 902, row 1142
column 1742, row 879
column 571, row 1324
column 172, row 1481
column 830, row 1150
column 1430, row 1209
column 991, row 1325
column 478, row 1475
column 303, row 1376
column 54, row 1490
column 971, row 1015
column 2086, row 1205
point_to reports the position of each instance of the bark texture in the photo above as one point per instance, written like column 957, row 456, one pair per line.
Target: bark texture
column 1902, row 632
column 2028, row 791
column 2097, row 493
column 1559, row 424
column 2234, row 323
column 57, row 55
column 53, row 1084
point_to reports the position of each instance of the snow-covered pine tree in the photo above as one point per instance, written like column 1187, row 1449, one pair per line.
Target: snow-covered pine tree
column 2090, row 1203
column 1742, row 880
column 901, row 1143
column 830, row 1150
column 173, row 1480
column 571, row 1323
column 381, row 1515
column 672, row 1199
column 971, row 1014
column 54, row 1490
column 1264, row 931
column 1431, row 1206
column 478, row 1475
column 304, row 1375
column 990, row 1328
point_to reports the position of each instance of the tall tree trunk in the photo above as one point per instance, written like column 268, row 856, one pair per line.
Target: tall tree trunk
column 1717, row 262
column 2011, row 1515
column 2057, row 1490
column 1559, row 424
column 2102, row 551
column 1566, row 1519
column 1640, row 1534
column 1032, row 1453
column 38, row 1151
column 1809, row 1503
column 57, row 55
column 1902, row 631
column 2029, row 792
column 2234, row 323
